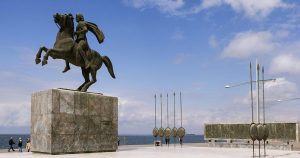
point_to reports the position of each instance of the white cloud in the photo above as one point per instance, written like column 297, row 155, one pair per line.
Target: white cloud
column 285, row 63
column 165, row 6
column 206, row 4
column 249, row 43
column 281, row 88
column 135, row 116
column 210, row 3
column 15, row 114
column 255, row 9
column 15, row 105
column 274, row 90
column 16, row 95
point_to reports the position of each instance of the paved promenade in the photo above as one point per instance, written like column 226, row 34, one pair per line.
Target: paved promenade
column 160, row 152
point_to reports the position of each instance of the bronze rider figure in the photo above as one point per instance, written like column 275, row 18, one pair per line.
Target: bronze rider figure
column 80, row 37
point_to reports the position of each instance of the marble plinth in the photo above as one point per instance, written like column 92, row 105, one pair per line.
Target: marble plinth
column 65, row 121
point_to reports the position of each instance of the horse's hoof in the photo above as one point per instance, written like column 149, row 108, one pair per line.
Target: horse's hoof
column 66, row 69
column 44, row 62
column 37, row 60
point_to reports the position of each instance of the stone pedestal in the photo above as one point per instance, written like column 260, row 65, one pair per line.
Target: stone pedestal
column 64, row 121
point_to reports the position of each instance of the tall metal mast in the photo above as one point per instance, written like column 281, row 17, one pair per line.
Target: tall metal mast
column 174, row 109
column 257, row 90
column 160, row 110
column 181, row 108
column 168, row 109
column 155, row 109
column 251, row 91
column 263, row 71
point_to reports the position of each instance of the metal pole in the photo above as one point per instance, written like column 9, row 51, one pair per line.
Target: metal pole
column 168, row 109
column 257, row 97
column 174, row 120
column 264, row 148
column 253, row 147
column 155, row 109
column 264, row 119
column 160, row 110
column 174, row 109
column 161, row 138
column 258, row 148
column 181, row 117
column 251, row 104
column 257, row 89
column 251, row 91
column 167, row 138
column 181, row 108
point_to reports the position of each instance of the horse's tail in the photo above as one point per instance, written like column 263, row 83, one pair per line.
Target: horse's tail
column 109, row 66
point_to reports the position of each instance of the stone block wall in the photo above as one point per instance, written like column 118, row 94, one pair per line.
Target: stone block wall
column 64, row 121
column 277, row 131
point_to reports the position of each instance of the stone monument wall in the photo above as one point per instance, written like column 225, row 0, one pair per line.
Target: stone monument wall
column 65, row 121
column 277, row 131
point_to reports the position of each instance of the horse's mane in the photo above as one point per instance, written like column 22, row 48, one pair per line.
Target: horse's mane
column 70, row 23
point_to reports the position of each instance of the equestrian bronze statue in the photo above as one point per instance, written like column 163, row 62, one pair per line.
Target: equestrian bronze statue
column 73, row 48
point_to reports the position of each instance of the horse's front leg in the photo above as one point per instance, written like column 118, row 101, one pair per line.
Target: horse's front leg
column 38, row 55
column 54, row 53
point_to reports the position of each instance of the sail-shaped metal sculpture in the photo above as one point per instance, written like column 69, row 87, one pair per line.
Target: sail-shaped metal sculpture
column 161, row 132
column 168, row 129
column 181, row 130
column 155, row 130
column 174, row 130
column 265, row 128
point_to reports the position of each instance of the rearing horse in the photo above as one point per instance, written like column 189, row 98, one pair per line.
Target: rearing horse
column 65, row 48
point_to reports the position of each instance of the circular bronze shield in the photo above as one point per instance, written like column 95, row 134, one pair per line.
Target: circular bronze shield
column 161, row 132
column 253, row 131
column 174, row 132
column 155, row 132
column 260, row 132
column 168, row 132
column 266, row 132
column 181, row 132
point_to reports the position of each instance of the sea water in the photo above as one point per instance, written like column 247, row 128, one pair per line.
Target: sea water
column 124, row 139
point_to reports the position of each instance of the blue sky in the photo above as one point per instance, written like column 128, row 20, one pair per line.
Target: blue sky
column 158, row 46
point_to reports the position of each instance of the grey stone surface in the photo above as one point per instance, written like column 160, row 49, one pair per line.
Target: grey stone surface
column 277, row 131
column 64, row 121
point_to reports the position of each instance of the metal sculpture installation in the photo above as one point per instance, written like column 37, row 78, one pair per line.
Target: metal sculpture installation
column 253, row 126
column 168, row 129
column 260, row 132
column 181, row 130
column 76, row 50
column 155, row 130
column 161, row 132
column 174, row 130
column 265, row 127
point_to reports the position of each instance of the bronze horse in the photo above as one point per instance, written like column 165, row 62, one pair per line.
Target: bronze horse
column 65, row 48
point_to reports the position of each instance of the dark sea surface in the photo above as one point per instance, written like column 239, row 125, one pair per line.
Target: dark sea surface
column 124, row 139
